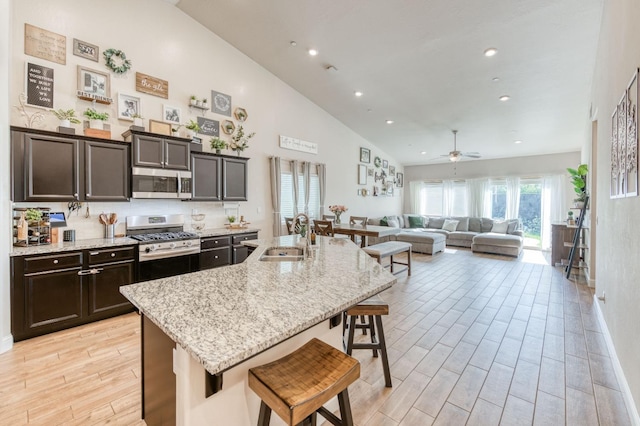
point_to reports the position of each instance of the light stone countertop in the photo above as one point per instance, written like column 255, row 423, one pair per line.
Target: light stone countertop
column 224, row 316
column 97, row 243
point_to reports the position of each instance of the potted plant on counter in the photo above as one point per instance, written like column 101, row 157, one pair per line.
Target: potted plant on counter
column 579, row 180
column 217, row 144
column 66, row 117
column 96, row 119
column 137, row 120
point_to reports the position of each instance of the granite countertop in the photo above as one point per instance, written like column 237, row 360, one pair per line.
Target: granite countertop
column 97, row 243
column 224, row 316
column 74, row 245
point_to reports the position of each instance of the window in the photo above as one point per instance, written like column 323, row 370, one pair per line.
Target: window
column 458, row 199
column 447, row 198
column 498, row 203
column 286, row 196
column 530, row 211
column 431, row 198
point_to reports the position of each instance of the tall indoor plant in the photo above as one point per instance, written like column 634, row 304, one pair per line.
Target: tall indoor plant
column 579, row 180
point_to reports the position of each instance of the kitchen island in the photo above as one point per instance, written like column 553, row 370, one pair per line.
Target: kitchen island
column 226, row 320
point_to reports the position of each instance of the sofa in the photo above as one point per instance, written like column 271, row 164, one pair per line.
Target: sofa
column 482, row 235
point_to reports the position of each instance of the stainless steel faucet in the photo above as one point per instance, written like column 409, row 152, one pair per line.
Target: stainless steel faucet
column 307, row 237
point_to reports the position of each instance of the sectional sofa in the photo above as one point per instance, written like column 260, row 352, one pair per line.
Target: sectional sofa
column 482, row 235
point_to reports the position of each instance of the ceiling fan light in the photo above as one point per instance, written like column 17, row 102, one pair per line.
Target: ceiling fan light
column 454, row 158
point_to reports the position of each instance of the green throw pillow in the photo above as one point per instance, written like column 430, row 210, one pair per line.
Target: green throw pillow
column 383, row 221
column 416, row 222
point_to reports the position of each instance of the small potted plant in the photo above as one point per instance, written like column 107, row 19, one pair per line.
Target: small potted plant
column 205, row 103
column 175, row 128
column 570, row 220
column 96, row 119
column 192, row 128
column 579, row 180
column 240, row 141
column 66, row 117
column 137, row 120
column 194, row 100
column 33, row 216
column 217, row 144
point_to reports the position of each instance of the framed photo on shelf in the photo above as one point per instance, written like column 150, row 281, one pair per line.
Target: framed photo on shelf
column 94, row 85
column 365, row 155
column 171, row 114
column 128, row 106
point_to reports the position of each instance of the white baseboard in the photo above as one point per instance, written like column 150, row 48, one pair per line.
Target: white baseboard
column 622, row 380
column 6, row 343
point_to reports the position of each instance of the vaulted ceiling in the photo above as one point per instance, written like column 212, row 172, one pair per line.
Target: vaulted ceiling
column 421, row 63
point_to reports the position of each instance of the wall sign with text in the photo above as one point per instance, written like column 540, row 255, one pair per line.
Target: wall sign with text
column 152, row 85
column 44, row 44
column 209, row 127
column 288, row 142
column 39, row 82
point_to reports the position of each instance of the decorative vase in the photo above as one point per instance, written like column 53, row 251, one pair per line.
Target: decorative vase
column 338, row 217
column 190, row 133
column 96, row 124
column 218, row 151
column 65, row 123
column 138, row 122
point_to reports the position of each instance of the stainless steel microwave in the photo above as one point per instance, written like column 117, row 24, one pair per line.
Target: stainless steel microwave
column 160, row 183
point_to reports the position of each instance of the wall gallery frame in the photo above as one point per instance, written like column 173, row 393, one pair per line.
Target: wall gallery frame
column 624, row 143
column 365, row 155
column 362, row 174
column 399, row 180
column 85, row 50
column 171, row 114
column 128, row 106
column 94, row 85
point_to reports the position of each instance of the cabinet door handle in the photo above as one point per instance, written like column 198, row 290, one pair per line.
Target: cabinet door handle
column 55, row 261
column 215, row 257
column 113, row 255
column 94, row 253
column 75, row 195
column 93, row 271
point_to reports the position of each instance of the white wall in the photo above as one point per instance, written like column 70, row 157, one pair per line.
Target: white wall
column 5, row 204
column 164, row 42
column 618, row 269
column 533, row 166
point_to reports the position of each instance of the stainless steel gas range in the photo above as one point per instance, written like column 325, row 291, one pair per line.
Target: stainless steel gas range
column 165, row 249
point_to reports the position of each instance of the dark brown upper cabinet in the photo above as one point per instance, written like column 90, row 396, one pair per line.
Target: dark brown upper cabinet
column 206, row 173
column 158, row 152
column 234, row 179
column 49, row 166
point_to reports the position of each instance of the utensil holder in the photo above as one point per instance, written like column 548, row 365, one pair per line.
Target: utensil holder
column 109, row 230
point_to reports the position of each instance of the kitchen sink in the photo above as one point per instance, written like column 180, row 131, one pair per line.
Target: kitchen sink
column 282, row 254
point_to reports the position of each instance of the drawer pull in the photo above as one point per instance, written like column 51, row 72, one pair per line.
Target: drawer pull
column 215, row 257
column 216, row 241
column 55, row 262
column 94, row 253
column 93, row 271
column 113, row 255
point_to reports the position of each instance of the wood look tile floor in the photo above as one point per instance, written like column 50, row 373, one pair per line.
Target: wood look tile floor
column 472, row 339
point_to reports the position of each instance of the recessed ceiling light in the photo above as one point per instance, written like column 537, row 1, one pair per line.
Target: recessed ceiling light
column 518, row 141
column 313, row 52
column 495, row 79
column 293, row 43
column 490, row 52
column 358, row 93
column 423, row 152
column 389, row 121
column 505, row 98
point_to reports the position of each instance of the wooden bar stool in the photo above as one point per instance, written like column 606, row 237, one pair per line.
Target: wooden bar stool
column 297, row 385
column 373, row 308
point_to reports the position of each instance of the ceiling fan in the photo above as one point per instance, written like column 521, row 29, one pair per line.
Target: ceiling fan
column 455, row 155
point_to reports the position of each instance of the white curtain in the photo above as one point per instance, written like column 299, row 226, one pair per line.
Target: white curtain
column 306, row 181
column 276, row 187
column 322, row 183
column 447, row 197
column 553, row 205
column 477, row 194
column 414, row 193
column 294, row 180
column 513, row 198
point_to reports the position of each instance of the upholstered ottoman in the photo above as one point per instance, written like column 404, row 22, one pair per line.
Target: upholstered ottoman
column 507, row 244
column 423, row 242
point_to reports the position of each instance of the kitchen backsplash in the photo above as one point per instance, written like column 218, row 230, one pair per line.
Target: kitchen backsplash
column 87, row 228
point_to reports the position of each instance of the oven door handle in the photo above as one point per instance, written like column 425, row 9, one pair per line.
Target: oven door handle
column 151, row 256
column 92, row 271
column 179, row 184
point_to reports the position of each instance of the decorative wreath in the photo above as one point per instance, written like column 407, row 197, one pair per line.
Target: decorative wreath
column 110, row 55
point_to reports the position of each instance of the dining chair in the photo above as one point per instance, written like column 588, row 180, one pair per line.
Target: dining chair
column 358, row 220
column 328, row 217
column 323, row 227
column 289, row 221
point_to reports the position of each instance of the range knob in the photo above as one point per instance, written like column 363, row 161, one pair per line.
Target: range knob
column 189, row 243
column 172, row 245
column 150, row 248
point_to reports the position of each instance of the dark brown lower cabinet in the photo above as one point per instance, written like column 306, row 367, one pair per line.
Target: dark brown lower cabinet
column 57, row 291
column 158, row 378
column 239, row 251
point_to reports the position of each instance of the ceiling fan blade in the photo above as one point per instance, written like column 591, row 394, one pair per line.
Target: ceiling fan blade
column 472, row 154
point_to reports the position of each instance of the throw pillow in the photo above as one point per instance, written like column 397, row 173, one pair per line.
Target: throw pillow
column 500, row 227
column 436, row 222
column 383, row 221
column 463, row 223
column 416, row 222
column 513, row 225
column 450, row 225
column 475, row 224
column 393, row 223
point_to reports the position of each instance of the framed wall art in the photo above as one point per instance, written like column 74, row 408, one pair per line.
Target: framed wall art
column 85, row 50
column 399, row 180
column 385, row 164
column 392, row 171
column 44, row 44
column 128, row 106
column 171, row 114
column 624, row 143
column 362, row 174
column 221, row 103
column 39, row 82
column 365, row 155
column 94, row 85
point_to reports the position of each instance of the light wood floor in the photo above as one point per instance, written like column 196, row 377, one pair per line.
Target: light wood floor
column 472, row 339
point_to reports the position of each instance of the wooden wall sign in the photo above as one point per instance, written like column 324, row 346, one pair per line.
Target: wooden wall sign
column 39, row 81
column 209, row 127
column 44, row 44
column 152, row 86
column 294, row 144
